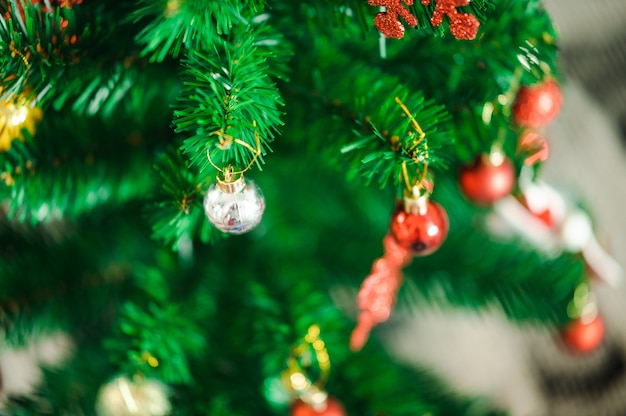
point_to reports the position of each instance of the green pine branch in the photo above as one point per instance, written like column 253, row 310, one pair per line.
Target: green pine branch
column 39, row 44
column 229, row 98
column 177, row 215
column 155, row 342
column 42, row 187
column 179, row 25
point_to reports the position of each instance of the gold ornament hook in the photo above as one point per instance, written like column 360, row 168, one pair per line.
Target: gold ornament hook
column 225, row 141
column 296, row 378
column 423, row 158
column 24, row 59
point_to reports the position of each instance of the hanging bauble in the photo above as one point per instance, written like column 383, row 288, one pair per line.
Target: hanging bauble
column 141, row 397
column 330, row 407
column 584, row 335
column 419, row 225
column 487, row 179
column 537, row 105
column 234, row 206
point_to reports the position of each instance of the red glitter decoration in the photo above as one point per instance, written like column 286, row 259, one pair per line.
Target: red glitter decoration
column 584, row 336
column 410, row 234
column 333, row 408
column 376, row 298
column 462, row 25
column 388, row 22
column 534, row 146
column 421, row 232
column 395, row 253
column 537, row 105
column 484, row 183
column 377, row 294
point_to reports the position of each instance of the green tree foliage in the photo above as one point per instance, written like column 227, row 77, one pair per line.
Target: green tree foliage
column 104, row 235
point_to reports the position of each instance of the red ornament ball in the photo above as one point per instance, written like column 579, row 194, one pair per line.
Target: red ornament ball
column 537, row 105
column 484, row 182
column 333, row 408
column 584, row 336
column 421, row 232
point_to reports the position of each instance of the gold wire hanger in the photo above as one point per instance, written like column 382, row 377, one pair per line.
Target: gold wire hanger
column 229, row 183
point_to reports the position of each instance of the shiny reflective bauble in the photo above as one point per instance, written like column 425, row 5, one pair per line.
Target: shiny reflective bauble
column 236, row 212
column 484, row 182
column 332, row 407
column 584, row 336
column 422, row 233
column 537, row 105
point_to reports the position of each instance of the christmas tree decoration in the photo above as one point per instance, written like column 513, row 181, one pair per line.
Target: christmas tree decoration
column 541, row 200
column 419, row 225
column 537, row 105
column 15, row 117
column 585, row 332
column 137, row 397
column 542, row 216
column 379, row 289
column 584, row 336
column 310, row 397
column 487, row 179
column 395, row 253
column 462, row 25
column 388, row 22
column 234, row 206
column 331, row 407
column 376, row 298
column 534, row 147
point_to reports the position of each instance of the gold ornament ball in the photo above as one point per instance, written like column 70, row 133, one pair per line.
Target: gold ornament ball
column 13, row 118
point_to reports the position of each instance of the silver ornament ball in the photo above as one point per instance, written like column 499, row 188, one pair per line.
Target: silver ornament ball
column 234, row 207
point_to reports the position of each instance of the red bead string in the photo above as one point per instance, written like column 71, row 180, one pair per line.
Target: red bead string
column 388, row 22
column 462, row 25
column 378, row 291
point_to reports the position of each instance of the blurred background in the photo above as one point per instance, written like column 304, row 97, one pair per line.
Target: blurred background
column 524, row 369
column 593, row 47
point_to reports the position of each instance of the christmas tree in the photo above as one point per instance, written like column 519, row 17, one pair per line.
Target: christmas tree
column 195, row 195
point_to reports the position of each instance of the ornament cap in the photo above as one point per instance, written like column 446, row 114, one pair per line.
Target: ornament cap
column 496, row 157
column 417, row 205
column 230, row 186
